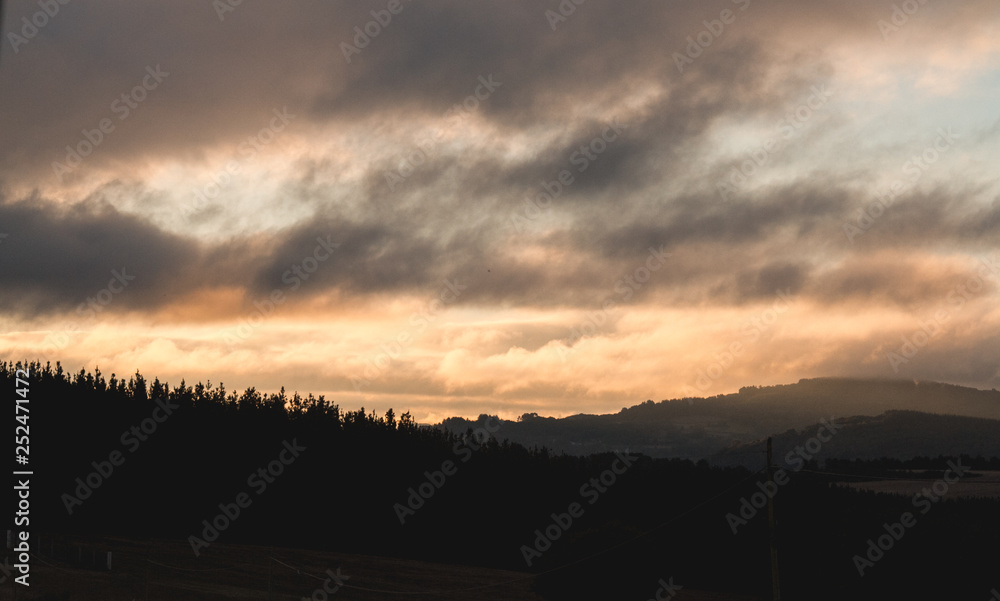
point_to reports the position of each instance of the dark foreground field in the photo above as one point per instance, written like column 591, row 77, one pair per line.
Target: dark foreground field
column 167, row 570
column 523, row 523
column 985, row 485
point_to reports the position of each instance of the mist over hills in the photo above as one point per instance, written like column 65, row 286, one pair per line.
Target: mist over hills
column 699, row 428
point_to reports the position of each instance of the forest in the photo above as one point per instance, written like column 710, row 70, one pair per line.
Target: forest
column 150, row 461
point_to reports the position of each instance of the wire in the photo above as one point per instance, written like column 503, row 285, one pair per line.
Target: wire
column 297, row 570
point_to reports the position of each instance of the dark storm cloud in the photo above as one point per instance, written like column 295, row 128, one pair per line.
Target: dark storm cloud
column 764, row 283
column 224, row 77
column 961, row 215
column 721, row 254
column 451, row 218
column 379, row 258
column 227, row 75
column 361, row 259
column 431, row 54
column 54, row 259
column 701, row 218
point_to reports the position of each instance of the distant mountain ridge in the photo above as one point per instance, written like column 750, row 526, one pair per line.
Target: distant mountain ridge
column 698, row 428
column 894, row 434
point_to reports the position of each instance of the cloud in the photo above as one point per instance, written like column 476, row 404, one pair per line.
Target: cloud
column 56, row 258
column 380, row 192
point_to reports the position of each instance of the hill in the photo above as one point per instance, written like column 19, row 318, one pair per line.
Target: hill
column 697, row 428
column 898, row 434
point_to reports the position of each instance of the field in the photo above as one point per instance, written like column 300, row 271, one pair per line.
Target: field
column 986, row 485
column 168, row 570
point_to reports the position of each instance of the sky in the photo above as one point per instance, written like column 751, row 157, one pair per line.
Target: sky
column 503, row 206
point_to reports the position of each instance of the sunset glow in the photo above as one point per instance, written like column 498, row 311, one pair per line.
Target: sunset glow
column 494, row 213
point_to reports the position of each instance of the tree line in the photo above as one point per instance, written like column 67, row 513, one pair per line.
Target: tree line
column 469, row 498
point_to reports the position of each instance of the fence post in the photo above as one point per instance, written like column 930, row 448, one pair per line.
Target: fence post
column 270, row 567
column 775, row 584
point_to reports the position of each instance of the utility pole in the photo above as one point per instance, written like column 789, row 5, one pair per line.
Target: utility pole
column 775, row 586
